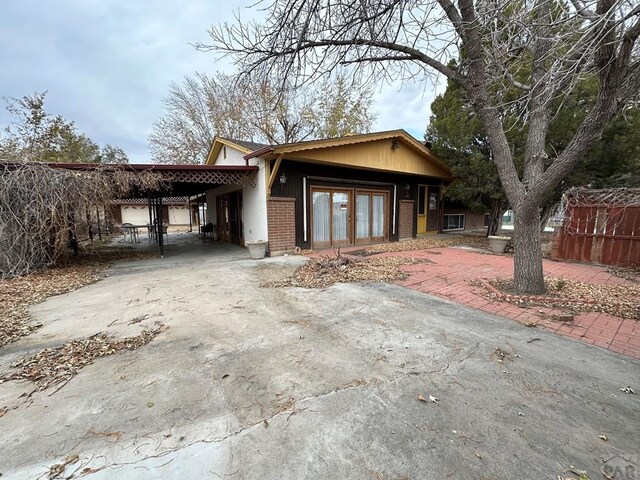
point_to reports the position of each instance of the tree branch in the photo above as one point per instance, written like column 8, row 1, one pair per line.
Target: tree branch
column 583, row 11
column 409, row 51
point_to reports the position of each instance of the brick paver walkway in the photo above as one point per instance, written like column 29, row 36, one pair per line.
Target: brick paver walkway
column 452, row 270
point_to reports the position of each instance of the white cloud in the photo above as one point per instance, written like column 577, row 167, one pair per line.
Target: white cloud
column 107, row 65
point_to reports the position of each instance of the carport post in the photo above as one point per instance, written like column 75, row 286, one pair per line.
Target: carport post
column 99, row 229
column 150, row 208
column 189, row 210
column 160, row 228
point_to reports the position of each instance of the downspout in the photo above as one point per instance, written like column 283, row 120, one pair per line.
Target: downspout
column 393, row 227
column 304, row 208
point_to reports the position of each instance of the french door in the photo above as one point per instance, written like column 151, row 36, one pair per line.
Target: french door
column 333, row 211
column 371, row 216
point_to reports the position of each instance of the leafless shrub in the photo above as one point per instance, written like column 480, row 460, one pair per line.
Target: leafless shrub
column 42, row 207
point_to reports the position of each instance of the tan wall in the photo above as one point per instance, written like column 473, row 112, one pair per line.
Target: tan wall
column 405, row 219
column 376, row 155
column 281, row 219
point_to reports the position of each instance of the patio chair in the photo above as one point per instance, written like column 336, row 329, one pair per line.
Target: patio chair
column 130, row 231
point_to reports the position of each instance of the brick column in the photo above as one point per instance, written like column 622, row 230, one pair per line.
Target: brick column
column 405, row 220
column 556, row 243
column 281, row 222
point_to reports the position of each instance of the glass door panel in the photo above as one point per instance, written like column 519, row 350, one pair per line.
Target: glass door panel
column 363, row 218
column 341, row 218
column 321, row 218
column 379, row 216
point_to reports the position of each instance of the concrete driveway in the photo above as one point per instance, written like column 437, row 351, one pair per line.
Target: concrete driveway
column 248, row 382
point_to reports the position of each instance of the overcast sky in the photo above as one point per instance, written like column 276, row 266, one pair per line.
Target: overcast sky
column 106, row 64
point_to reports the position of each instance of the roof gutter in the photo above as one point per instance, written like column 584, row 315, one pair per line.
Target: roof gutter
column 257, row 153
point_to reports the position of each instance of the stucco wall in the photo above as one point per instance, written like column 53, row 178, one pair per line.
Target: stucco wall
column 254, row 199
column 234, row 157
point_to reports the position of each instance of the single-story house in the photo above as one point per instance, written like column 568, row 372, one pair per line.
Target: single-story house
column 352, row 190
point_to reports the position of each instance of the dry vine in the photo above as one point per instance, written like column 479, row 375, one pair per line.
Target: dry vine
column 609, row 208
column 42, row 207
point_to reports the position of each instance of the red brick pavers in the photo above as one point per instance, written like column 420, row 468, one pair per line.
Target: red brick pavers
column 448, row 273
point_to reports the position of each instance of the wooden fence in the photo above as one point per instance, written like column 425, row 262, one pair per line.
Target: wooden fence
column 608, row 235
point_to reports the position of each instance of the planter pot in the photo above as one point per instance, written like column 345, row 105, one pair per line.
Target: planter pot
column 498, row 244
column 257, row 248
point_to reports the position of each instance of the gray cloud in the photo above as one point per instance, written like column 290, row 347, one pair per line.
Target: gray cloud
column 107, row 65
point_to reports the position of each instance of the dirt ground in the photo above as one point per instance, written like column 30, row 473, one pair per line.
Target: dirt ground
column 358, row 381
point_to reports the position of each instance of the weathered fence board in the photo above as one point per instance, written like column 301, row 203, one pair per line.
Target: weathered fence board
column 600, row 234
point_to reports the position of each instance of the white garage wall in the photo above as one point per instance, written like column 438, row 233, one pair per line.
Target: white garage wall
column 178, row 215
column 135, row 214
column 139, row 214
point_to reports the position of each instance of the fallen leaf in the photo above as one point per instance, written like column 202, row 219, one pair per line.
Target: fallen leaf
column 603, row 437
column 433, row 399
column 628, row 390
column 421, row 398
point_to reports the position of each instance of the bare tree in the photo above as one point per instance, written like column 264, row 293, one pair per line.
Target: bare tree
column 42, row 208
column 244, row 108
column 541, row 47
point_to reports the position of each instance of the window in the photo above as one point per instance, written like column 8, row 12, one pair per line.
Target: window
column 454, row 222
column 422, row 192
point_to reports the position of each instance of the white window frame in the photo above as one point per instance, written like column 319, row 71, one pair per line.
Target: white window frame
column 445, row 223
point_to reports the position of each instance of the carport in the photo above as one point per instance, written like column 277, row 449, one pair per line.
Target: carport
column 191, row 181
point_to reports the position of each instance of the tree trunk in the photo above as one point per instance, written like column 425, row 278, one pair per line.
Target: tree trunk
column 497, row 209
column 527, row 275
column 547, row 210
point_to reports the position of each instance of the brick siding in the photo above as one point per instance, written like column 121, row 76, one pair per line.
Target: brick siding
column 405, row 220
column 281, row 221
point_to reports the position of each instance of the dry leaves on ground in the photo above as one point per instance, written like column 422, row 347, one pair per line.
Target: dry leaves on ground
column 320, row 273
column 429, row 242
column 618, row 300
column 628, row 273
column 17, row 294
column 52, row 366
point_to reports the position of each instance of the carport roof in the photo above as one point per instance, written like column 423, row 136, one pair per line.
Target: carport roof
column 184, row 180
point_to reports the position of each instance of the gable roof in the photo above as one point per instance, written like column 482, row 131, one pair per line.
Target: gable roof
column 301, row 148
column 243, row 146
column 251, row 146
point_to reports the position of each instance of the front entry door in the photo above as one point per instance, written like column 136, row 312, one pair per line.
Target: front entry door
column 432, row 208
column 427, row 209
column 422, row 209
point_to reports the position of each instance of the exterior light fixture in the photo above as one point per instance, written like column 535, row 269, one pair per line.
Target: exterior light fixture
column 395, row 144
column 283, row 180
column 407, row 190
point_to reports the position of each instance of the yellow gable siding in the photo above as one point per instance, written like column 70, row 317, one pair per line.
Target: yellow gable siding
column 376, row 155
